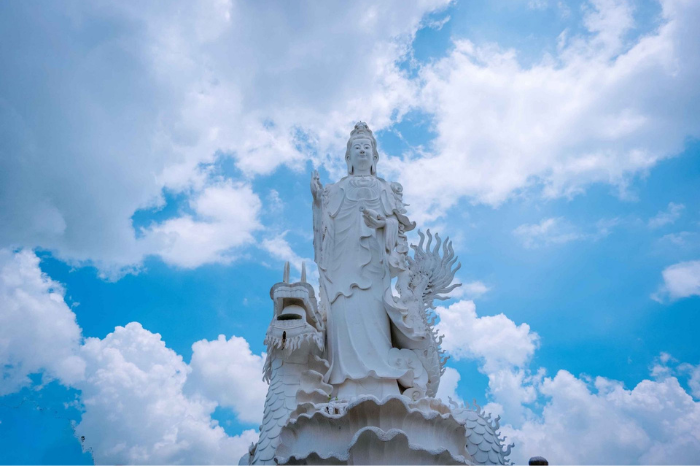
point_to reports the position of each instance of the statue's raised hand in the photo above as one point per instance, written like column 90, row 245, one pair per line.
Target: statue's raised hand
column 373, row 219
column 316, row 187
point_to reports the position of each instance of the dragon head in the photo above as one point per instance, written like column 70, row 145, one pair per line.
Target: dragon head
column 297, row 327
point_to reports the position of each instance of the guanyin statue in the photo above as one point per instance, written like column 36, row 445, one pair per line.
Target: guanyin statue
column 353, row 374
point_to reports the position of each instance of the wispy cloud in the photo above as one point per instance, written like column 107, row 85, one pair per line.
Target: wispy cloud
column 670, row 215
column 552, row 230
column 470, row 290
column 279, row 247
column 557, row 230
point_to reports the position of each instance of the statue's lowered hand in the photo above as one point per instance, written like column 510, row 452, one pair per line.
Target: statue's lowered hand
column 373, row 219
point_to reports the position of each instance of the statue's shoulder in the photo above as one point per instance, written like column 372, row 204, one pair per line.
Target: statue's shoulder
column 341, row 183
column 337, row 186
column 391, row 187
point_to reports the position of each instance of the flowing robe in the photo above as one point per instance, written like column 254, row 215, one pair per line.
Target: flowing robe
column 354, row 273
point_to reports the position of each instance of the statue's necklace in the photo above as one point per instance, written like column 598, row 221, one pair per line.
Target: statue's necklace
column 363, row 180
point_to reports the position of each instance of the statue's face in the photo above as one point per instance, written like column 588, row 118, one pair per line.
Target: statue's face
column 361, row 154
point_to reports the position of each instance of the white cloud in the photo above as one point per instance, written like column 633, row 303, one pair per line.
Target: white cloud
column 135, row 411
column 681, row 280
column 502, row 348
column 470, row 290
column 604, row 423
column 497, row 340
column 38, row 331
column 609, row 21
column 584, row 420
column 694, row 381
column 225, row 217
column 537, row 4
column 681, row 239
column 669, row 216
column 601, row 110
column 228, row 372
column 274, row 202
column 448, row 386
column 557, row 230
column 136, row 97
column 552, row 230
column 278, row 247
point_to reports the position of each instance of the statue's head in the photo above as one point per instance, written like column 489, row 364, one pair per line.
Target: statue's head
column 361, row 154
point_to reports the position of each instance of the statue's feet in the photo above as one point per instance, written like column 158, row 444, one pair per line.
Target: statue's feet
column 379, row 388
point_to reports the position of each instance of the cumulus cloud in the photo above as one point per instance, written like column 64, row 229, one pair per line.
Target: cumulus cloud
column 225, row 215
column 497, row 340
column 228, row 372
column 38, row 331
column 669, row 216
column 135, row 411
column 681, row 280
column 120, row 102
column 604, row 423
column 584, row 420
column 601, row 110
column 136, row 406
column 502, row 348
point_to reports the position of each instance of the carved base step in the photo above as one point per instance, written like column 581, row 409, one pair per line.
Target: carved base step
column 369, row 431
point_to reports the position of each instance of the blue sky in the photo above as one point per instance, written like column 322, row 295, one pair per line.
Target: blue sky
column 154, row 170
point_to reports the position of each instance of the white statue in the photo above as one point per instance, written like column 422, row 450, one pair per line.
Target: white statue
column 356, row 233
column 353, row 378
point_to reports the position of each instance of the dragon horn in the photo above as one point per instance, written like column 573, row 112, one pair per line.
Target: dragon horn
column 506, row 453
column 436, row 250
column 303, row 271
column 285, row 278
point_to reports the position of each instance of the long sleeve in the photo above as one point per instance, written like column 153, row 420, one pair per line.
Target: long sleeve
column 391, row 233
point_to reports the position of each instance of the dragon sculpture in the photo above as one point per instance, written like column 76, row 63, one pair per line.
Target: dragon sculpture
column 294, row 367
column 428, row 278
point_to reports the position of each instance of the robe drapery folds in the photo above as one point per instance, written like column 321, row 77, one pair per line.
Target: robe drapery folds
column 354, row 276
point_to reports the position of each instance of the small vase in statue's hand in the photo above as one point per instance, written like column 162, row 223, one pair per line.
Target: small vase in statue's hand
column 373, row 219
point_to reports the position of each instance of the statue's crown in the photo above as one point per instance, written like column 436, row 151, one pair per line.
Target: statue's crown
column 361, row 129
